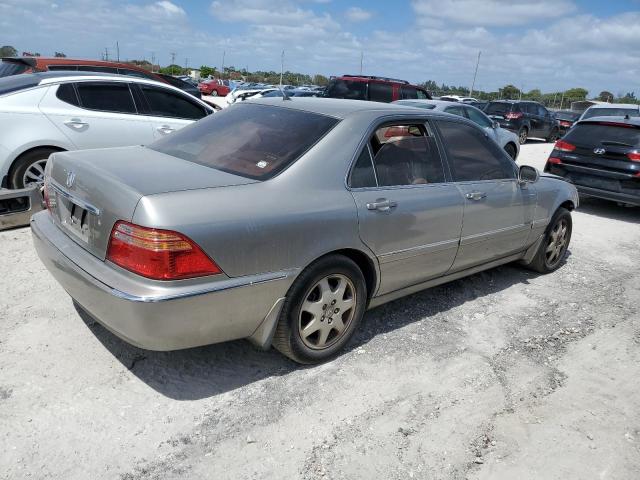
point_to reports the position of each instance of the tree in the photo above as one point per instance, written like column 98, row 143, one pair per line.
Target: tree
column 8, row 51
column 575, row 94
column 205, row 71
column 60, row 55
column 510, row 92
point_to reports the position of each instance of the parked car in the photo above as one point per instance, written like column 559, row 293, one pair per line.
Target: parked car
column 242, row 94
column 506, row 139
column 182, row 85
column 479, row 105
column 291, row 92
column 214, row 87
column 565, row 119
column 180, row 243
column 611, row 110
column 457, row 98
column 600, row 155
column 377, row 89
column 527, row 119
column 42, row 113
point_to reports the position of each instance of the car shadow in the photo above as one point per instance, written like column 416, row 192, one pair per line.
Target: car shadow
column 208, row 371
column 608, row 209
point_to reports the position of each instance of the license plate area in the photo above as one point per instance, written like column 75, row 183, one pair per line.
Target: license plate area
column 74, row 218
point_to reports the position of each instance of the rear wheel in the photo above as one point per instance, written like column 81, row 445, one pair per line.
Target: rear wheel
column 28, row 169
column 523, row 134
column 214, row 93
column 323, row 308
column 553, row 136
column 553, row 248
column 511, row 150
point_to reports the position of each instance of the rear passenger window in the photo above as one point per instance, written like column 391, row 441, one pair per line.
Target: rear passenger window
column 408, row 93
column 96, row 68
column 362, row 174
column 455, row 111
column 380, row 92
column 406, row 155
column 164, row 103
column 67, row 94
column 422, row 94
column 107, row 97
column 473, row 157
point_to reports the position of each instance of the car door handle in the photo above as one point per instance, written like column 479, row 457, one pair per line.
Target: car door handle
column 475, row 195
column 382, row 205
column 165, row 129
column 76, row 123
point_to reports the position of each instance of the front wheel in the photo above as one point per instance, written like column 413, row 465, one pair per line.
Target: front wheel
column 523, row 134
column 553, row 248
column 214, row 93
column 323, row 308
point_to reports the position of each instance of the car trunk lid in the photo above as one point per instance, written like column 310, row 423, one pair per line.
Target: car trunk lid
column 90, row 190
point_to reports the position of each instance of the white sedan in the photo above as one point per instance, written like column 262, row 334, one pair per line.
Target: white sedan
column 43, row 113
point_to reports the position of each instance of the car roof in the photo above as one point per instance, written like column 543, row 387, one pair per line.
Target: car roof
column 634, row 121
column 342, row 108
column 437, row 103
column 630, row 106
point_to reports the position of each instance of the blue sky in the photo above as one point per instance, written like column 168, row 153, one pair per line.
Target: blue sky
column 546, row 44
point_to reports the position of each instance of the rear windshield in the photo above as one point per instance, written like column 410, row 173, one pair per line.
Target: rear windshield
column 497, row 108
column 572, row 116
column 346, row 89
column 611, row 112
column 12, row 68
column 592, row 134
column 253, row 141
column 427, row 106
column 18, row 82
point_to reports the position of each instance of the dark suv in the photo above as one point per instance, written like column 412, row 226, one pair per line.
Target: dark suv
column 376, row 89
column 601, row 156
column 527, row 119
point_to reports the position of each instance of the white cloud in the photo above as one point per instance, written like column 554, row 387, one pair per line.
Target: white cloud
column 491, row 12
column 357, row 14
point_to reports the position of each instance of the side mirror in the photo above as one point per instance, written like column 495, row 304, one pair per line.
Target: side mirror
column 495, row 124
column 528, row 174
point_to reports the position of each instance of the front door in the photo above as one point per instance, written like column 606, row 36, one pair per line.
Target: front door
column 498, row 211
column 408, row 215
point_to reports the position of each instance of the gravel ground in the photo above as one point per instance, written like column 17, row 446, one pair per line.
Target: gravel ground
column 502, row 375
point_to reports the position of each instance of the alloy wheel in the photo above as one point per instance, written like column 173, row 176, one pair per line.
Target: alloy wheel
column 557, row 243
column 34, row 175
column 327, row 311
column 522, row 136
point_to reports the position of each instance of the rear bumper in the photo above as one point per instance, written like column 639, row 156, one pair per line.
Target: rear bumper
column 609, row 195
column 158, row 319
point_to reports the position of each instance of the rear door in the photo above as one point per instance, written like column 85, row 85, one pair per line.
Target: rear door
column 168, row 110
column 409, row 215
column 498, row 211
column 96, row 114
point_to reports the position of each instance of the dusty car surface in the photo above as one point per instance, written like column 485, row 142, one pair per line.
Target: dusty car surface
column 283, row 221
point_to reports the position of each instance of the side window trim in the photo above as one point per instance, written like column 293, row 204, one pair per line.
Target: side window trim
column 80, row 105
column 359, row 151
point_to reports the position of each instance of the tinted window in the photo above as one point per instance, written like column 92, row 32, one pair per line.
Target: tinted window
column 472, row 156
column 571, row 116
column 478, row 117
column 422, row 94
column 13, row 83
column 362, row 174
column 108, row 97
column 135, row 73
column 164, row 103
column 497, row 108
column 592, row 134
column 543, row 112
column 406, row 155
column 95, row 68
column 347, row 89
column 380, row 92
column 56, row 68
column 455, row 111
column 12, row 68
column 67, row 94
column 250, row 140
column 408, row 93
column 610, row 112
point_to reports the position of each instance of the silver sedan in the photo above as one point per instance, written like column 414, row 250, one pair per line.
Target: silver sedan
column 503, row 137
column 283, row 221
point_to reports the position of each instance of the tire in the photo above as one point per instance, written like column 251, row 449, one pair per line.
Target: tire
column 544, row 261
column 511, row 151
column 214, row 93
column 327, row 287
column 553, row 136
column 523, row 134
column 32, row 163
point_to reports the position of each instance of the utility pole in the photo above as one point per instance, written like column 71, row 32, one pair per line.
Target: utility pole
column 281, row 67
column 186, row 63
column 153, row 61
column 473, row 84
column 521, row 89
column 361, row 60
column 561, row 100
column 224, row 52
column 173, row 60
column 117, row 50
column 106, row 54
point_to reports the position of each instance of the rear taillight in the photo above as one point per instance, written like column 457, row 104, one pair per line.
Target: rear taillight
column 513, row 115
column 565, row 124
column 554, row 160
column 49, row 200
column 634, row 156
column 564, row 146
column 158, row 254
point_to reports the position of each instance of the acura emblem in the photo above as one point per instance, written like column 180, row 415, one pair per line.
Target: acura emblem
column 71, row 178
column 599, row 151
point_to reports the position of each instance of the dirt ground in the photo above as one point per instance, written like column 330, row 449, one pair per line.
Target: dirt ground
column 502, row 375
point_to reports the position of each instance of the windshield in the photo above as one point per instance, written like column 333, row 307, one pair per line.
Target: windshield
column 12, row 68
column 611, row 112
column 253, row 141
column 497, row 108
